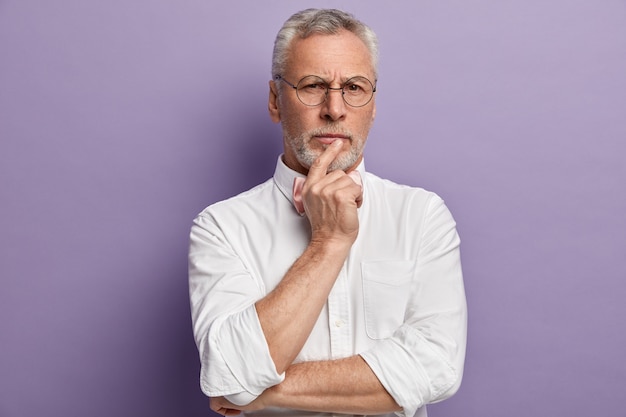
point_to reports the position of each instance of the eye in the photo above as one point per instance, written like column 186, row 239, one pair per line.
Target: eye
column 353, row 88
column 357, row 87
column 314, row 86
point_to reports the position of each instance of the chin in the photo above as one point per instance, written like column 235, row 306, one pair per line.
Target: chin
column 343, row 162
column 343, row 165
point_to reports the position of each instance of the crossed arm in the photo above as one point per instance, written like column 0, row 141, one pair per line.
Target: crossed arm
column 345, row 386
column 430, row 344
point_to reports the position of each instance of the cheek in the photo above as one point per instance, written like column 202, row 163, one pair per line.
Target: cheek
column 366, row 123
column 298, row 122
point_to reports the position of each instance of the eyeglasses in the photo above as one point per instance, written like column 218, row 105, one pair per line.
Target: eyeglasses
column 312, row 90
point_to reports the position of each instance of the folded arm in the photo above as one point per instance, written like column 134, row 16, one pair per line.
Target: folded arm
column 421, row 363
column 346, row 386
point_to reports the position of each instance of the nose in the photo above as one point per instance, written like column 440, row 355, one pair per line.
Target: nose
column 334, row 108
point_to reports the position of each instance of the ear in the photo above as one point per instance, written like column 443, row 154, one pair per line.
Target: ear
column 272, row 103
column 374, row 110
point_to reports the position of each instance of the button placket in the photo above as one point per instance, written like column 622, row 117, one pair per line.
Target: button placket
column 339, row 317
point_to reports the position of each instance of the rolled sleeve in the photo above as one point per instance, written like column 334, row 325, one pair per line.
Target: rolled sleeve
column 236, row 359
column 411, row 371
column 234, row 355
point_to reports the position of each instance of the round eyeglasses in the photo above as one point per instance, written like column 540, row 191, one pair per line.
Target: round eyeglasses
column 312, row 90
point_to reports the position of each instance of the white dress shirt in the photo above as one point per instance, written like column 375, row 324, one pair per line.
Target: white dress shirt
column 398, row 301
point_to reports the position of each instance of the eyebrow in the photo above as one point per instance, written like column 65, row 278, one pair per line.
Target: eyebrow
column 343, row 80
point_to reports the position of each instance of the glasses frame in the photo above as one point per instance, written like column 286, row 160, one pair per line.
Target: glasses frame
column 328, row 89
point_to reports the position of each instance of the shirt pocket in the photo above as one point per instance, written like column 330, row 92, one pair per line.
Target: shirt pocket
column 386, row 292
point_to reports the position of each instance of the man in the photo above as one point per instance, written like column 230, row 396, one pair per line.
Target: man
column 327, row 289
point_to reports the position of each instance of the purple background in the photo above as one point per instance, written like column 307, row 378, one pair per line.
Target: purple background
column 122, row 119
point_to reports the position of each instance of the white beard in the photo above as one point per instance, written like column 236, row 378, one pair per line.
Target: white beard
column 306, row 156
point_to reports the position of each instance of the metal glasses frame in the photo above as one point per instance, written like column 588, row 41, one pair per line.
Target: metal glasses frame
column 328, row 88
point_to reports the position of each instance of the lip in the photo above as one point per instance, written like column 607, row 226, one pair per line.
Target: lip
column 329, row 138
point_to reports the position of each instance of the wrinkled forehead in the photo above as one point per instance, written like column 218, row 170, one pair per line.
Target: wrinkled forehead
column 335, row 57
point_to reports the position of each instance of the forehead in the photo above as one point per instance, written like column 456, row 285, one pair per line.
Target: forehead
column 338, row 56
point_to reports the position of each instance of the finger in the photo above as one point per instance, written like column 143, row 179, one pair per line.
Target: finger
column 320, row 166
column 335, row 189
column 227, row 411
column 359, row 199
column 338, row 180
column 218, row 404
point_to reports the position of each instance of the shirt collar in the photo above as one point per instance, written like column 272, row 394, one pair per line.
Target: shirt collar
column 284, row 176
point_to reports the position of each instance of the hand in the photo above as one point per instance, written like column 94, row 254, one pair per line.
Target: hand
column 224, row 407
column 331, row 199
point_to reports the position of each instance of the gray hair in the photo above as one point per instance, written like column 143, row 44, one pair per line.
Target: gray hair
column 320, row 21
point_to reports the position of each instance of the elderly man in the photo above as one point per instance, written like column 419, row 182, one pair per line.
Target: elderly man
column 327, row 290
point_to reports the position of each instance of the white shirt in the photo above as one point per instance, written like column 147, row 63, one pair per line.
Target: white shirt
column 398, row 301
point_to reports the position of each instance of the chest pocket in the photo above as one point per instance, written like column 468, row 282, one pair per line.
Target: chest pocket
column 386, row 292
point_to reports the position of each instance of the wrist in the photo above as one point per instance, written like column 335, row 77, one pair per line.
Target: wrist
column 330, row 247
column 271, row 396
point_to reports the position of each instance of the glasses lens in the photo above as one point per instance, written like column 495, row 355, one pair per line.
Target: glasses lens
column 358, row 91
column 311, row 90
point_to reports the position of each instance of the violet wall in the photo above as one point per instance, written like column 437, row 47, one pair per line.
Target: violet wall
column 121, row 120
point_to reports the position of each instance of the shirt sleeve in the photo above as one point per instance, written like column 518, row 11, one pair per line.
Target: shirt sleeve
column 234, row 356
column 422, row 362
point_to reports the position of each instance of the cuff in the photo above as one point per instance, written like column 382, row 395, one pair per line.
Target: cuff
column 237, row 359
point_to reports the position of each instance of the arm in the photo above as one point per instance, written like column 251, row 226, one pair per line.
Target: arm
column 288, row 313
column 346, row 386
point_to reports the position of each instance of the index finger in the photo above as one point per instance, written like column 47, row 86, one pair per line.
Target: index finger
column 320, row 167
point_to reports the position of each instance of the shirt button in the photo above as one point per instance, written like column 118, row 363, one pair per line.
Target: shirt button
column 339, row 323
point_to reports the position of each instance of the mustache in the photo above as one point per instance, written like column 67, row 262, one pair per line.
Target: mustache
column 330, row 131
